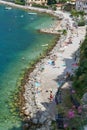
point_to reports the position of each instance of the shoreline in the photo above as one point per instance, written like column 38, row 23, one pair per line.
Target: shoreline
column 29, row 91
column 26, row 7
column 37, row 108
column 33, row 102
column 51, row 30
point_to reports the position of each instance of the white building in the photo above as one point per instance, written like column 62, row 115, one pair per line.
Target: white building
column 41, row 2
column 81, row 5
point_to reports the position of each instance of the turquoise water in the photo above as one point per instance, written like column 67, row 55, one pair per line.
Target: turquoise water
column 20, row 43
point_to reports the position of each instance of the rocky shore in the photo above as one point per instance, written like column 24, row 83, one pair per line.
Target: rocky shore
column 33, row 109
column 36, row 115
column 38, row 110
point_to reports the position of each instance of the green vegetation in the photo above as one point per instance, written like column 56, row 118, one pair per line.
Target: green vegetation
column 50, row 2
column 81, row 13
column 20, row 2
column 63, row 1
column 80, row 80
column 39, row 6
column 79, row 17
column 75, row 13
column 53, row 7
column 64, row 32
column 69, row 7
column 81, row 23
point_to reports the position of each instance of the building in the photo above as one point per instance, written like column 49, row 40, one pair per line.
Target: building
column 73, row 2
column 81, row 5
column 59, row 6
column 41, row 2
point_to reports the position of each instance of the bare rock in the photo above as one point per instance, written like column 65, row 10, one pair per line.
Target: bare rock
column 42, row 119
column 46, row 114
column 26, row 112
column 84, row 99
column 49, row 123
column 35, row 121
column 31, row 115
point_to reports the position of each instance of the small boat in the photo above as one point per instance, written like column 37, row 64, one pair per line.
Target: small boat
column 8, row 8
column 32, row 13
column 45, row 45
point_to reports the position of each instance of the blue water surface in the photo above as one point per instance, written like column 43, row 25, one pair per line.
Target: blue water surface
column 20, row 43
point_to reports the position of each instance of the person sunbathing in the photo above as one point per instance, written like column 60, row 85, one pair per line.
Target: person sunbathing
column 51, row 96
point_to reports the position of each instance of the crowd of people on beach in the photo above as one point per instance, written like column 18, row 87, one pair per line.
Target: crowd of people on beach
column 45, row 92
column 52, row 63
column 54, row 57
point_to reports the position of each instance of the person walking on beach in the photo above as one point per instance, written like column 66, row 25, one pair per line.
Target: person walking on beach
column 51, row 96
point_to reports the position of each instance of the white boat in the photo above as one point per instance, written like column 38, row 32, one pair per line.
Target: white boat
column 32, row 13
column 45, row 45
column 8, row 8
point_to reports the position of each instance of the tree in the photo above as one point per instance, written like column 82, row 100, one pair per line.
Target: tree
column 21, row 2
column 82, row 13
column 74, row 13
column 50, row 2
column 64, row 32
column 62, row 1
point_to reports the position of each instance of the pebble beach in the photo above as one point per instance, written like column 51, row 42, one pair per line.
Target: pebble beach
column 47, row 76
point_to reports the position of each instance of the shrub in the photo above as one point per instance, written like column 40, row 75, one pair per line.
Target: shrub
column 64, row 32
column 40, row 6
column 80, row 79
column 81, row 23
column 20, row 2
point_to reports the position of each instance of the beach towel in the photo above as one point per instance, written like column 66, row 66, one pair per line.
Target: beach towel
column 50, row 62
column 63, row 65
column 37, row 84
column 59, row 83
column 75, row 65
